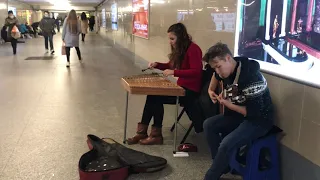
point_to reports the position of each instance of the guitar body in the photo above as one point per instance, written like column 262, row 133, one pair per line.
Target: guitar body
column 231, row 92
column 94, row 166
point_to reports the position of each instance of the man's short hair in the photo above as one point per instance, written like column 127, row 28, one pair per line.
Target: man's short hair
column 10, row 12
column 218, row 50
column 46, row 12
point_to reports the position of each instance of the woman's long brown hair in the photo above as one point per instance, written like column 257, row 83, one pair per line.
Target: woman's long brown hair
column 72, row 21
column 182, row 44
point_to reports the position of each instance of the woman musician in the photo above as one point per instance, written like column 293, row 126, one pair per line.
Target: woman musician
column 185, row 62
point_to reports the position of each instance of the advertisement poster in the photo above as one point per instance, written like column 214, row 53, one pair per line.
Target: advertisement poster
column 140, row 13
column 103, row 17
column 114, row 16
column 183, row 14
column 229, row 21
column 217, row 19
column 224, row 21
column 283, row 35
column 13, row 9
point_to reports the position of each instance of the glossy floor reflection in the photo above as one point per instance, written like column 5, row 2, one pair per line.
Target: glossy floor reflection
column 47, row 110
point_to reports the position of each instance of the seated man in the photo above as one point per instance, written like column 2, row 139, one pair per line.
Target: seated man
column 248, row 110
column 23, row 30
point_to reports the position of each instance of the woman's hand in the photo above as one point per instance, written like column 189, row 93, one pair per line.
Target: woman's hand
column 152, row 65
column 168, row 72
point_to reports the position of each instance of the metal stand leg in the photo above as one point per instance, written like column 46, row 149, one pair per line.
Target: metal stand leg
column 176, row 126
column 126, row 119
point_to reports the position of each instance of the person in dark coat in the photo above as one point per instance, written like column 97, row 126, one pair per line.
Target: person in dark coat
column 248, row 109
column 57, row 22
column 47, row 26
column 10, row 22
column 35, row 26
column 91, row 23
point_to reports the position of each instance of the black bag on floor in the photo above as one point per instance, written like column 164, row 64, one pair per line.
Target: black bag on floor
column 4, row 34
column 138, row 162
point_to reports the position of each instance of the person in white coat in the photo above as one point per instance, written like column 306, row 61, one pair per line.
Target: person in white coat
column 70, row 34
column 84, row 25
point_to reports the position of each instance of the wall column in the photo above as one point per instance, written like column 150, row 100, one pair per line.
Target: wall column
column 309, row 20
column 267, row 35
column 294, row 14
column 316, row 27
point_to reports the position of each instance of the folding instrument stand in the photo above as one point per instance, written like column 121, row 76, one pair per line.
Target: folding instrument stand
column 172, row 90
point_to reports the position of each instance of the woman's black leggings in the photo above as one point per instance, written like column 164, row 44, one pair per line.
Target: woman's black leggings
column 83, row 36
column 154, row 107
column 14, row 45
column 68, row 53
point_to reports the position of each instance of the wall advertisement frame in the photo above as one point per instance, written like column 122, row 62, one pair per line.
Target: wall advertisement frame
column 141, row 18
column 114, row 16
column 103, row 18
column 282, row 35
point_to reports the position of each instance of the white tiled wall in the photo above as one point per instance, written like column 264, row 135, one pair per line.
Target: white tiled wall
column 3, row 11
column 298, row 114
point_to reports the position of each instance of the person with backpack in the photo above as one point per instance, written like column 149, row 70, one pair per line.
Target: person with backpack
column 11, row 22
column 47, row 26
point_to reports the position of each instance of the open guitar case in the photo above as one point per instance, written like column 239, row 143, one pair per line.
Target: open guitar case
column 109, row 160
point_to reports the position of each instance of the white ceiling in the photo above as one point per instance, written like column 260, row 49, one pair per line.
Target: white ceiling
column 72, row 2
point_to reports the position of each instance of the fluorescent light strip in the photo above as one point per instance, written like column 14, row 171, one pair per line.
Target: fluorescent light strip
column 236, row 44
column 267, row 36
column 284, row 18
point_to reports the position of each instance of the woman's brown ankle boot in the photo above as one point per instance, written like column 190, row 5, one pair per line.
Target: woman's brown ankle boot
column 142, row 133
column 155, row 137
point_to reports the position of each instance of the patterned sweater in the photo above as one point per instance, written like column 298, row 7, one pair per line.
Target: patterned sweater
column 252, row 86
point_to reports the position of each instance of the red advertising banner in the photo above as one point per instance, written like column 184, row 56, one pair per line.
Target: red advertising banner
column 140, row 21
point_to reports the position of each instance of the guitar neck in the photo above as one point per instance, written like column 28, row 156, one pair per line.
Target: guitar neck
column 221, row 108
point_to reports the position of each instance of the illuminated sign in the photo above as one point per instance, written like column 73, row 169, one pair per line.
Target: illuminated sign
column 283, row 35
column 181, row 14
column 114, row 16
column 140, row 13
column 104, row 21
column 224, row 21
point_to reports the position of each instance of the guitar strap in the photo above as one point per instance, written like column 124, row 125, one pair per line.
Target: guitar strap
column 235, row 81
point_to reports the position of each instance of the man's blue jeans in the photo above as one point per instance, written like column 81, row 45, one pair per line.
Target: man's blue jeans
column 225, row 134
column 48, row 39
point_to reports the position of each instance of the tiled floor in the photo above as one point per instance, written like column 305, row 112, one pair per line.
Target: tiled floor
column 47, row 110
